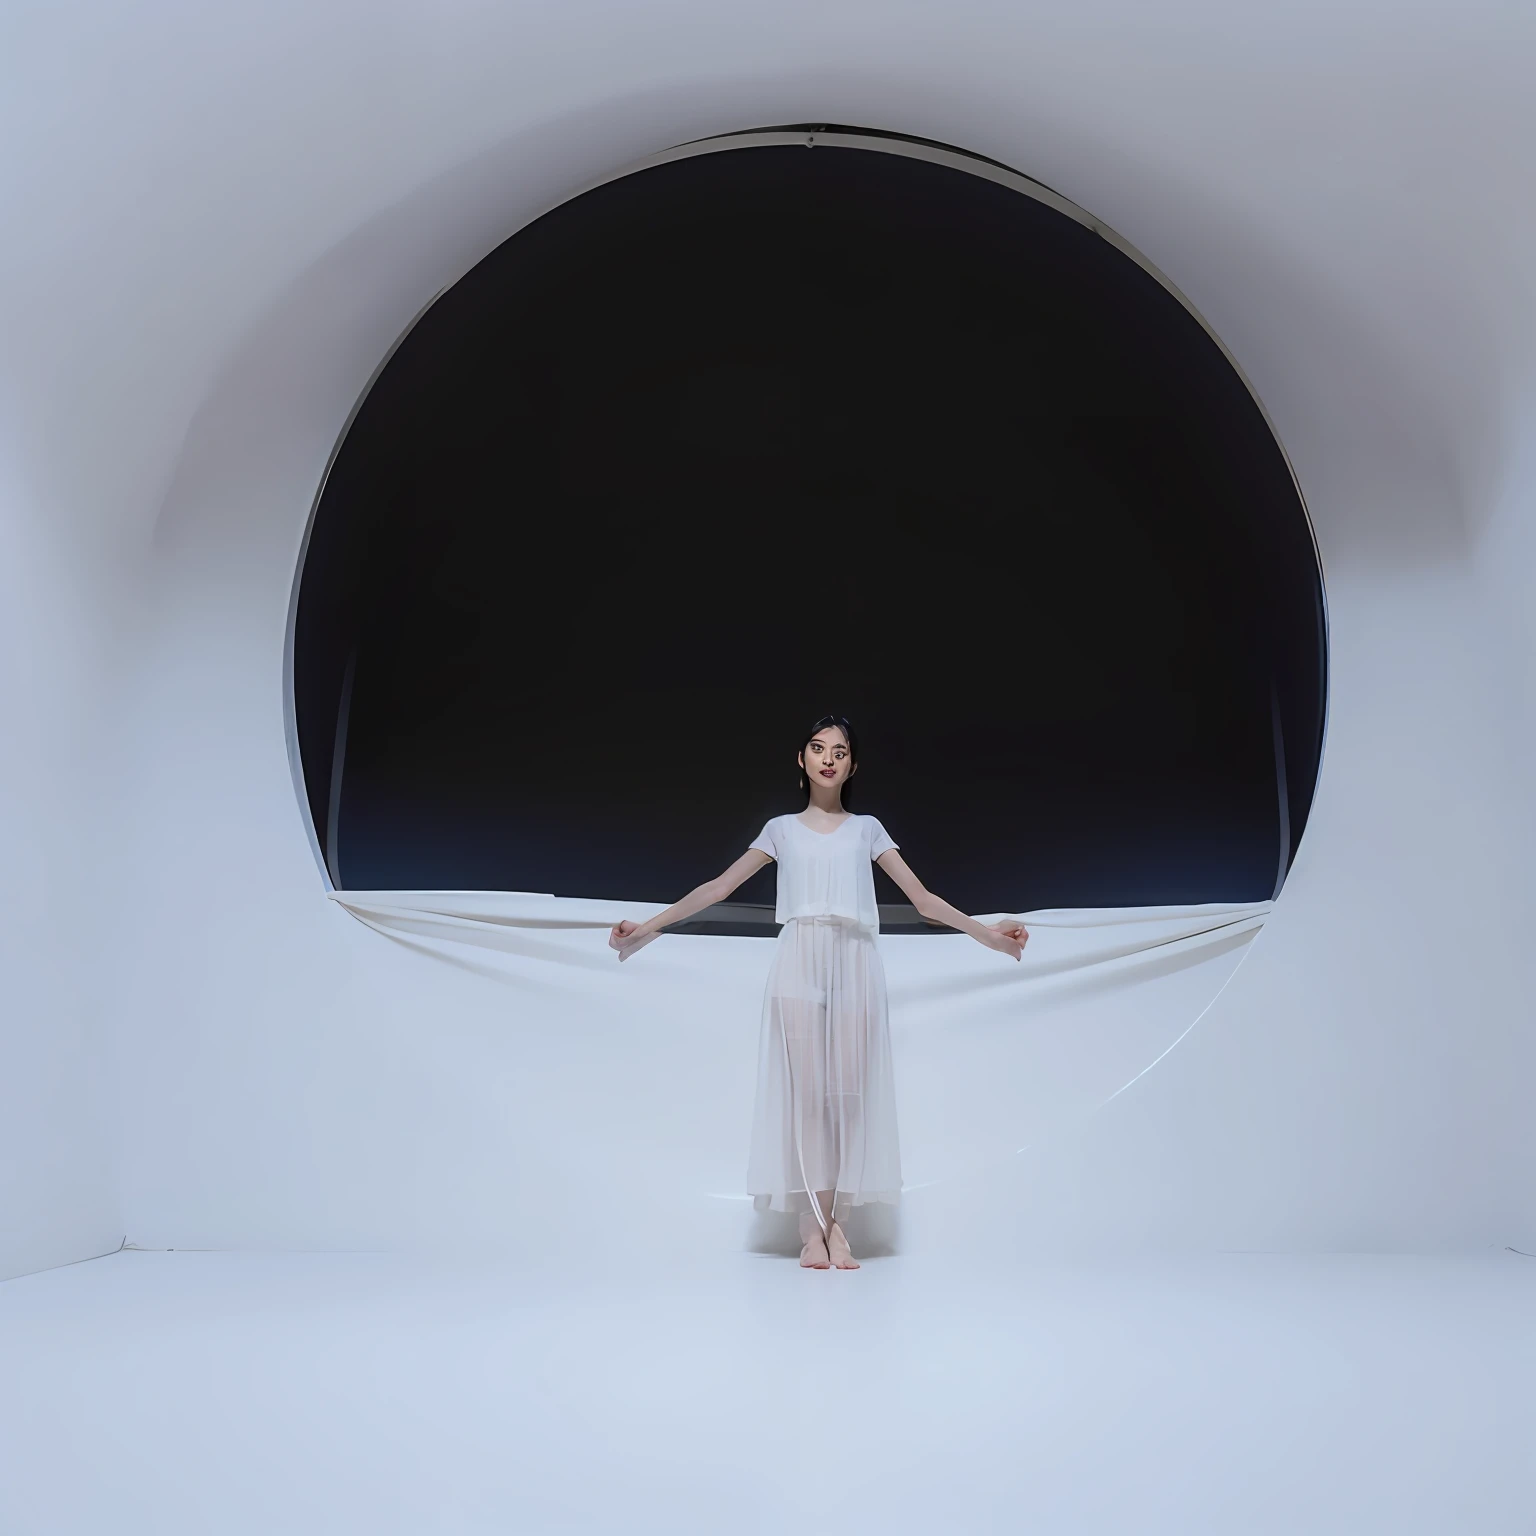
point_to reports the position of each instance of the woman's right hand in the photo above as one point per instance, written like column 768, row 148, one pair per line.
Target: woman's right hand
column 1003, row 943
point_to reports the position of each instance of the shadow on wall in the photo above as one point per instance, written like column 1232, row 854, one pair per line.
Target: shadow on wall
column 281, row 399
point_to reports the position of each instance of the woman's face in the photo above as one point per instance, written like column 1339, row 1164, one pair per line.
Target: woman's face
column 826, row 759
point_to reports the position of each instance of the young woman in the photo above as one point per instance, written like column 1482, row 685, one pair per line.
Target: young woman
column 824, row 1129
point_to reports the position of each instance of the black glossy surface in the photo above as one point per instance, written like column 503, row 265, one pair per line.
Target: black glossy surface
column 763, row 434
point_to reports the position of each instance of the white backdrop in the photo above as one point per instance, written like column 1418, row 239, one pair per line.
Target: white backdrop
column 220, row 220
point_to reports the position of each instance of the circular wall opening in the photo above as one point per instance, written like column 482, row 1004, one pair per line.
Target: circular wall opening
column 793, row 423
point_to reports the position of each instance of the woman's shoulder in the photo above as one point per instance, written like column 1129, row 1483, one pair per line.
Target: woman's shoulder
column 880, row 841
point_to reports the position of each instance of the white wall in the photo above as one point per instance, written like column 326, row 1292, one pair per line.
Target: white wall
column 57, row 1195
column 227, row 217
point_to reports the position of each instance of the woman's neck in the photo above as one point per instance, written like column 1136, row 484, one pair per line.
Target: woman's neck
column 829, row 802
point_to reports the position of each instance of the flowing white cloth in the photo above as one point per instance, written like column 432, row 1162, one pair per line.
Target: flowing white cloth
column 991, row 1056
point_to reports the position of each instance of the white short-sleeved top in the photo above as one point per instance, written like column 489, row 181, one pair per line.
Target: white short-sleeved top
column 826, row 874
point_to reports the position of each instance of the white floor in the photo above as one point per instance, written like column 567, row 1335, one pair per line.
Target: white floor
column 1236, row 1394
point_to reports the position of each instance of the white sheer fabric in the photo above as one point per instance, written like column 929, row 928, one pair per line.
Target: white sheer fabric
column 825, row 1115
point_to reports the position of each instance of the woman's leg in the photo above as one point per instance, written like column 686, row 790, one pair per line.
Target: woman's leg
column 812, row 1148
column 800, row 1010
column 813, row 1243
column 848, row 1010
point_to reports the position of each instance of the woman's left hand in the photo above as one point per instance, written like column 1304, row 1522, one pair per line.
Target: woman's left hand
column 626, row 937
column 1012, row 928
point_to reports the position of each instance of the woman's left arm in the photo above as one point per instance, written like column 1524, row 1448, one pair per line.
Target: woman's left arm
column 1008, row 937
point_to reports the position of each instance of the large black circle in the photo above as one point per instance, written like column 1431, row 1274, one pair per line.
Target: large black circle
column 750, row 436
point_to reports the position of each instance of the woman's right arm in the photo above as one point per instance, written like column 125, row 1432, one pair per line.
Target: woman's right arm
column 627, row 937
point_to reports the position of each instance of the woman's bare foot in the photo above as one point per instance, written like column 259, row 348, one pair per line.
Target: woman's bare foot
column 838, row 1250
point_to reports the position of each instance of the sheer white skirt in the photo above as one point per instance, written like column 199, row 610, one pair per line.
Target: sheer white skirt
column 825, row 1118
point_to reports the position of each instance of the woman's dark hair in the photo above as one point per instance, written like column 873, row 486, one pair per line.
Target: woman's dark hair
column 853, row 752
